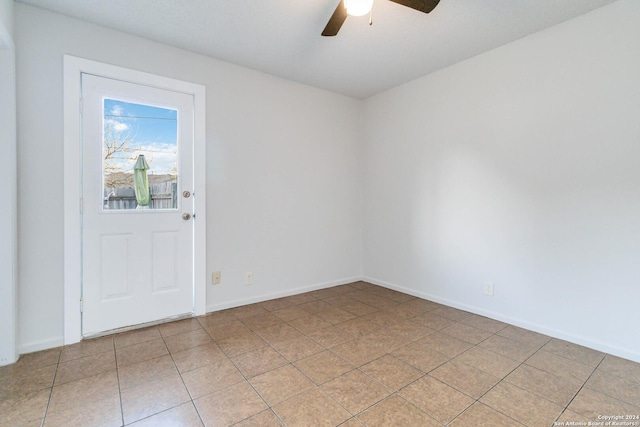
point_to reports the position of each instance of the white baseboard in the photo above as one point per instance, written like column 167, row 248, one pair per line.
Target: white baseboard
column 287, row 293
column 41, row 345
column 554, row 333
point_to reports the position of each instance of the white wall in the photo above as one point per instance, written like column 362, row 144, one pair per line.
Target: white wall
column 521, row 167
column 283, row 171
column 8, row 209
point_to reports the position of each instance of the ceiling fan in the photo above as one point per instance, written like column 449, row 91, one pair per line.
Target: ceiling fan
column 362, row 7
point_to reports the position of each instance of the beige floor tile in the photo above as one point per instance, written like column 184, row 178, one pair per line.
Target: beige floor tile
column 358, row 327
column 135, row 375
column 98, row 413
column 197, row 357
column 481, row 415
column 184, row 415
column 423, row 305
column 178, row 327
column 372, row 348
column 238, row 344
column 86, row 348
column 406, row 310
column 445, row 344
column 330, row 336
column 355, row 391
column 210, row 378
column 590, row 403
column 484, row 323
column 339, row 300
column 387, row 340
column 265, row 418
column 370, row 298
column 466, row 333
column 258, row 361
column 136, row 336
column 489, row 362
column 87, row 366
column 24, row 381
column 421, row 357
column 220, row 331
column 465, row 378
column 358, row 308
column 276, row 304
column 153, row 397
column 315, row 306
column 290, row 313
column 523, row 335
column 281, row 384
column 297, row 348
column 312, row 408
column 410, row 330
column 140, row 352
column 396, row 412
column 247, row 311
column 619, row 367
column 280, row 332
column 392, row 372
column 335, row 315
column 28, row 362
column 301, row 298
column 261, row 321
column 451, row 313
column 230, row 405
column 186, row 340
column 309, row 323
column 323, row 367
column 359, row 352
column 626, row 388
column 436, row 398
column 559, row 366
column 506, row 347
column 394, row 295
column 574, row 352
column 32, row 423
column 24, row 408
column 80, row 393
column 216, row 318
column 524, row 406
column 352, row 422
column 556, row 389
column 384, row 318
column 432, row 320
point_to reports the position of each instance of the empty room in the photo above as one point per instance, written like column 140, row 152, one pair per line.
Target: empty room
column 320, row 213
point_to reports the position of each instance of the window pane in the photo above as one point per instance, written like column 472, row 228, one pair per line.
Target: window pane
column 140, row 152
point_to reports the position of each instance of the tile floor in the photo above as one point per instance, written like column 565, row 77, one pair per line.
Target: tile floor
column 350, row 355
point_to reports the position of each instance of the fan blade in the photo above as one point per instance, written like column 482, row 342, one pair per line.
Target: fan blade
column 425, row 6
column 336, row 20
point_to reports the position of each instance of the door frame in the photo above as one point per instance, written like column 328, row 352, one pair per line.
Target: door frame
column 74, row 67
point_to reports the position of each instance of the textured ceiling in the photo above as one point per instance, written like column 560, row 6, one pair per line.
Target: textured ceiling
column 282, row 37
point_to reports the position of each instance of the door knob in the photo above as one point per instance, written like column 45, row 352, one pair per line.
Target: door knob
column 186, row 216
column 186, row 194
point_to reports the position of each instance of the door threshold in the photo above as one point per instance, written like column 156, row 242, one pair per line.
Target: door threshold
column 139, row 326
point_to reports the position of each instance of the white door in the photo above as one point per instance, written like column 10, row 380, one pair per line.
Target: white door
column 137, row 235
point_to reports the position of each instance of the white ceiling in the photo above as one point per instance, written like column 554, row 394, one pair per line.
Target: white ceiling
column 282, row 37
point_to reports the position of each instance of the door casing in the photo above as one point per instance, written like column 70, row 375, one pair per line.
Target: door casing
column 73, row 68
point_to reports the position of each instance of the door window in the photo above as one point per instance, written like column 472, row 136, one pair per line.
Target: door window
column 140, row 156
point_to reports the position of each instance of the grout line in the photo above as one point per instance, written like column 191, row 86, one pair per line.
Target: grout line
column 53, row 382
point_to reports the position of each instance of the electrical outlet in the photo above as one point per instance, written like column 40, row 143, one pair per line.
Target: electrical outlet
column 216, row 278
column 488, row 288
column 248, row 278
